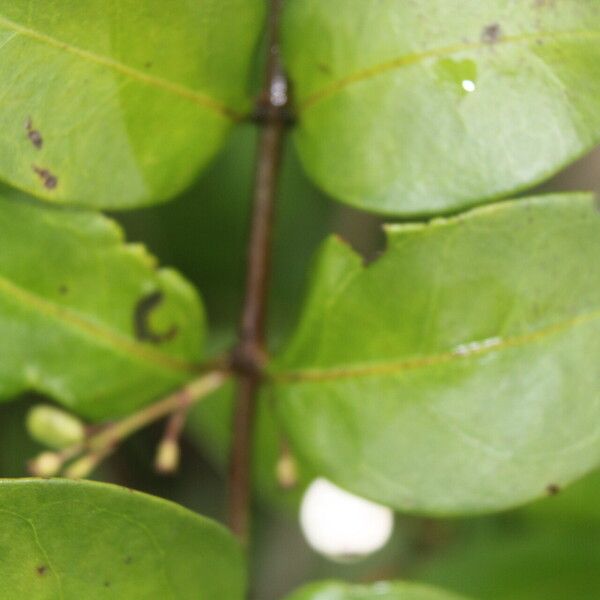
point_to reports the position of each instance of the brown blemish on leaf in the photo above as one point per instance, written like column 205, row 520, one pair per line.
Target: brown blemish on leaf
column 35, row 137
column 491, row 33
column 553, row 489
column 63, row 289
column 324, row 68
column 49, row 180
column 41, row 570
column 128, row 560
column 107, row 584
column 141, row 320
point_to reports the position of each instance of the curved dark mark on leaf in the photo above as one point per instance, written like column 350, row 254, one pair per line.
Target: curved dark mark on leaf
column 553, row 489
column 35, row 137
column 41, row 570
column 49, row 180
column 141, row 319
column 491, row 34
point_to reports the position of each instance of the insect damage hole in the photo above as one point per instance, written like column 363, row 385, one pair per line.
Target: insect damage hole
column 141, row 319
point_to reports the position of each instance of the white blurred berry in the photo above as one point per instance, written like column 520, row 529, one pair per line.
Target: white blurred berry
column 343, row 526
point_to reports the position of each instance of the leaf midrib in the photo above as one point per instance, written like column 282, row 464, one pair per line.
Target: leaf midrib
column 418, row 57
column 100, row 334
column 413, row 364
column 195, row 96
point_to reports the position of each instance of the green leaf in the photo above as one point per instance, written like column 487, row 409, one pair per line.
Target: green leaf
column 459, row 372
column 75, row 540
column 85, row 318
column 387, row 119
column 380, row 591
column 578, row 504
column 529, row 565
column 120, row 104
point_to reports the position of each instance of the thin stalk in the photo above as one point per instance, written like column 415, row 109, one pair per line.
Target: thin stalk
column 249, row 355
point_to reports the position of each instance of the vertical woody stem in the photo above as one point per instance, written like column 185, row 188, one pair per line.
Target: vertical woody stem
column 249, row 354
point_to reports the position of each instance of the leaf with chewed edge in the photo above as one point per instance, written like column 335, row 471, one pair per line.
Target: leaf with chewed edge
column 87, row 319
column 460, row 372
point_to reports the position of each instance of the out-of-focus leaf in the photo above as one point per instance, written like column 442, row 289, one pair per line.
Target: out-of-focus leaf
column 86, row 318
column 579, row 503
column 459, row 373
column 536, row 565
column 61, row 539
column 430, row 106
column 120, row 104
column 377, row 591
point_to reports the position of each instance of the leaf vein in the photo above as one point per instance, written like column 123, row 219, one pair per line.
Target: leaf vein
column 195, row 96
column 418, row 57
column 99, row 333
column 462, row 352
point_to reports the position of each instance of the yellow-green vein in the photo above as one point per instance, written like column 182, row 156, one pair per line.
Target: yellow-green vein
column 172, row 87
column 417, row 57
column 100, row 334
column 465, row 351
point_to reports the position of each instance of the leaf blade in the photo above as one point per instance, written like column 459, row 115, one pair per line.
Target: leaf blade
column 395, row 104
column 97, row 114
column 90, row 301
column 456, row 353
column 76, row 540
column 382, row 590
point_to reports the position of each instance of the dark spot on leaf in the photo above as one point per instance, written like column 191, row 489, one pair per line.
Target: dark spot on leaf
column 324, row 68
column 148, row 64
column 35, row 137
column 491, row 33
column 128, row 560
column 41, row 569
column 553, row 489
column 49, row 180
column 107, row 584
column 141, row 320
column 63, row 289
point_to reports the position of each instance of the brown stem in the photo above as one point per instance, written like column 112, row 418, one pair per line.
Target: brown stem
column 249, row 355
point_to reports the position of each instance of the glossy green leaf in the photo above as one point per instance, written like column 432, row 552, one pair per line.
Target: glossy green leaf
column 120, row 104
column 75, row 540
column 458, row 373
column 430, row 106
column 86, row 318
column 378, row 591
